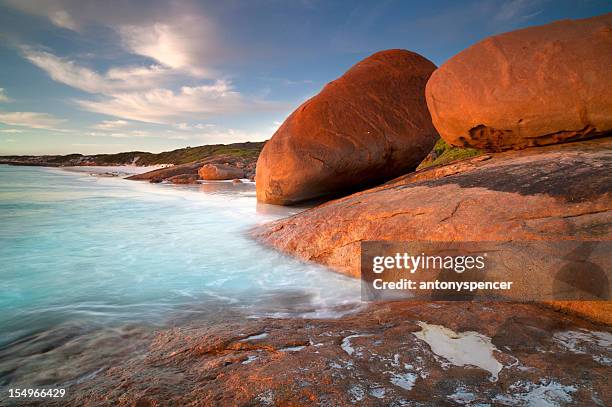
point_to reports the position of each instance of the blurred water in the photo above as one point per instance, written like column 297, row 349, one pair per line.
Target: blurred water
column 88, row 251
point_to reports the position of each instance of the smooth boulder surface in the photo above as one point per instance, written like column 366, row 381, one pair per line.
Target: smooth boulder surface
column 368, row 126
column 536, row 86
column 219, row 172
column 561, row 192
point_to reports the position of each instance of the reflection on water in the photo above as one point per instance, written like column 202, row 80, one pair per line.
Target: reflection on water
column 227, row 187
column 93, row 265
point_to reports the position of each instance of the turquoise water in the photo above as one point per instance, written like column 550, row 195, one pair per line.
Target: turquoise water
column 83, row 250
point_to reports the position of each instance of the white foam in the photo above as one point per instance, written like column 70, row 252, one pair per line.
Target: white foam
column 255, row 337
column 250, row 359
column 575, row 340
column 357, row 393
column 460, row 349
column 347, row 346
column 552, row 394
column 292, row 349
column 404, row 380
column 462, row 396
column 378, row 392
column 595, row 343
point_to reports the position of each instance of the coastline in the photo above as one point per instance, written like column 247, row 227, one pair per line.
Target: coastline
column 349, row 358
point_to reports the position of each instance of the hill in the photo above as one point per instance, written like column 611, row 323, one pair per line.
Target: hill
column 247, row 150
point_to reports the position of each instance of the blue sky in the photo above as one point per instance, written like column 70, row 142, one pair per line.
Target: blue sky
column 98, row 77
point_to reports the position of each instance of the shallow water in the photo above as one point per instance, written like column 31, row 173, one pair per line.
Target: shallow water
column 82, row 253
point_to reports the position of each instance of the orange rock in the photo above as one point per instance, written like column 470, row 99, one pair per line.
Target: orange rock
column 215, row 172
column 184, row 179
column 558, row 192
column 531, row 87
column 215, row 364
column 368, row 126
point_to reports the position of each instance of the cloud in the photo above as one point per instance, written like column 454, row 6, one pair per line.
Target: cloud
column 169, row 56
column 223, row 135
column 110, row 124
column 518, row 10
column 3, row 97
column 12, row 131
column 176, row 34
column 61, row 18
column 165, row 106
column 197, row 126
column 116, row 79
column 31, row 119
column 132, row 92
column 179, row 44
column 118, row 134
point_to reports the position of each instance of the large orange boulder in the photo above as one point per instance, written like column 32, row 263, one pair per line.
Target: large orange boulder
column 366, row 127
column 531, row 87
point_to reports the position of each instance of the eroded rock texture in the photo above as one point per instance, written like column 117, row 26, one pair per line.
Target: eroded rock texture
column 531, row 87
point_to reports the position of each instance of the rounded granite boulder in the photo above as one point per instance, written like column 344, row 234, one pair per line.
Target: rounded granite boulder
column 536, row 86
column 219, row 172
column 368, row 126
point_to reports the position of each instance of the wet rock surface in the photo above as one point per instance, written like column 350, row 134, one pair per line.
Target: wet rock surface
column 385, row 355
column 184, row 179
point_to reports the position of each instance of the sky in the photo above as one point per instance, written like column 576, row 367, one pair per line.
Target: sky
column 99, row 76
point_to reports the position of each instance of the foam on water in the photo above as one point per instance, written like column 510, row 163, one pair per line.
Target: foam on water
column 76, row 247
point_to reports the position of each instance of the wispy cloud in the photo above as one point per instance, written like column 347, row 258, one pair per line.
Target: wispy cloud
column 132, row 93
column 519, row 10
column 77, row 76
column 61, row 18
column 197, row 126
column 165, row 106
column 119, row 134
column 3, row 96
column 172, row 44
column 226, row 135
column 33, row 120
column 12, row 131
column 110, row 124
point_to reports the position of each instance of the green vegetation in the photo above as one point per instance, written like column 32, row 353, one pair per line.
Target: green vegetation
column 442, row 153
column 191, row 154
column 185, row 155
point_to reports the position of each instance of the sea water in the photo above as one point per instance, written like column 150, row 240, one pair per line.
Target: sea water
column 81, row 253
